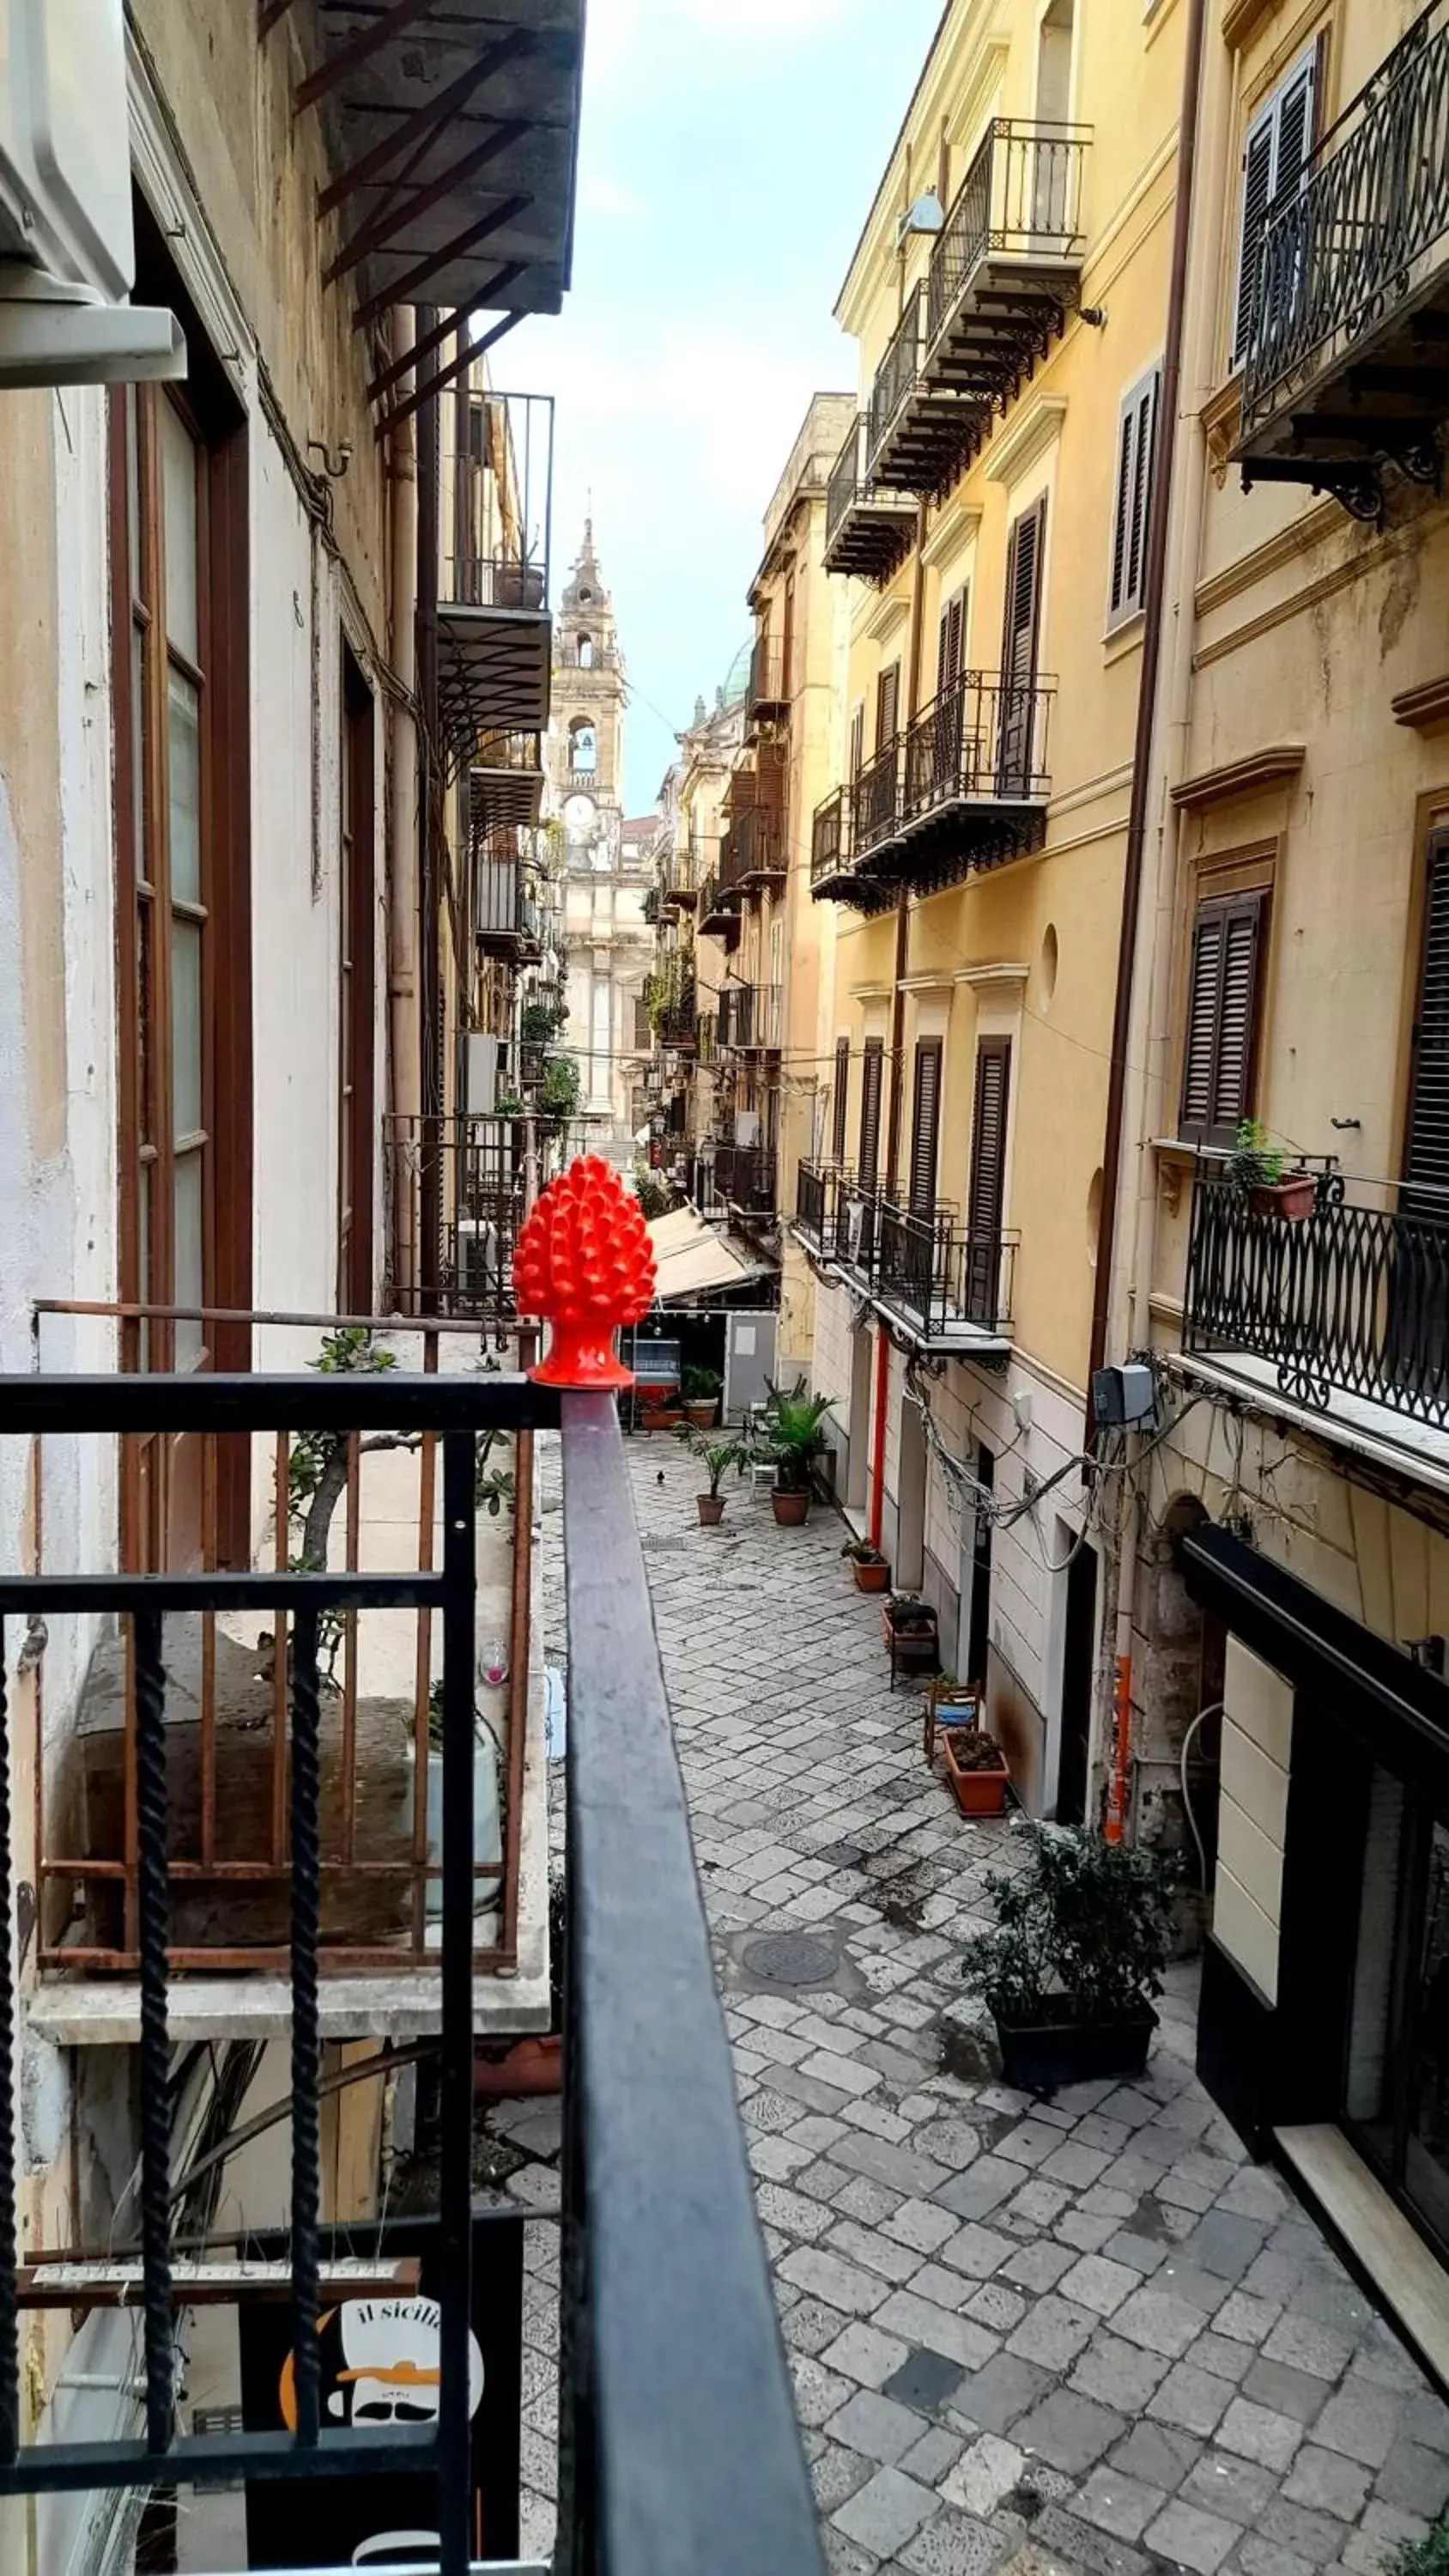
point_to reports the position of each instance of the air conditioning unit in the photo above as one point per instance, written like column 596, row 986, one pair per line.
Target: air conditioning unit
column 480, row 1279
column 67, row 248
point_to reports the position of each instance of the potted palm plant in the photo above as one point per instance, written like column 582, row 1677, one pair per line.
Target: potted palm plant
column 1071, row 1971
column 716, row 1457
column 794, row 1434
column 700, row 1390
column 871, row 1570
column 1256, row 1171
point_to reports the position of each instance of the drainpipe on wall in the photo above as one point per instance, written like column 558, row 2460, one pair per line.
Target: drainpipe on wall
column 1142, row 771
column 403, row 823
column 898, row 1047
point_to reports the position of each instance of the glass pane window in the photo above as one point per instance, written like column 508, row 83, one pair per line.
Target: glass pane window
column 186, row 1040
column 178, row 489
column 190, row 1263
column 183, row 766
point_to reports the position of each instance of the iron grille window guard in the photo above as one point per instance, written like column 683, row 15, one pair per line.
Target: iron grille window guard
column 672, row 2367
column 1350, row 1300
column 1022, row 196
column 898, row 370
column 829, row 832
column 1357, row 237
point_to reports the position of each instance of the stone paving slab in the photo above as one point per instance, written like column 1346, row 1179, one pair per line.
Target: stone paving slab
column 1077, row 2338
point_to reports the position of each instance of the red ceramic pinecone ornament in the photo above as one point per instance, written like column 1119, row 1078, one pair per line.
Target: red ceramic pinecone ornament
column 584, row 1260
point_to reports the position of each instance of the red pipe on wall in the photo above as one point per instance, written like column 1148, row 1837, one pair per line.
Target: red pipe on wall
column 878, row 1433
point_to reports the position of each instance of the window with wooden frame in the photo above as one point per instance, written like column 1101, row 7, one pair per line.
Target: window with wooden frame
column 1426, row 1138
column 840, row 1102
column 1132, row 498
column 1221, row 1017
column 925, row 1126
column 1020, row 644
column 1279, row 138
column 872, row 1066
column 951, row 641
column 986, row 1187
column 180, row 593
column 887, row 705
column 855, row 758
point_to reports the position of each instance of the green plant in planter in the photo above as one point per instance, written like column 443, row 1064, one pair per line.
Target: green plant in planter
column 509, row 1104
column 910, row 1615
column 716, row 1457
column 1083, row 1932
column 655, row 1195
column 1426, row 2557
column 1254, row 1163
column 558, row 1095
column 700, row 1385
column 794, row 1434
column 860, row 1552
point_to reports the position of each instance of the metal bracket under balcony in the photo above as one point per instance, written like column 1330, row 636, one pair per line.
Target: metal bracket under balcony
column 505, row 784
column 1006, row 266
column 922, row 435
column 975, row 785
column 494, row 663
column 1347, row 370
column 868, row 530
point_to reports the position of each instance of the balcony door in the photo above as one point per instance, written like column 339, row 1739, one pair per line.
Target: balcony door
column 986, row 1201
column 356, row 1068
column 183, row 940
column 1418, row 1324
column 1020, row 642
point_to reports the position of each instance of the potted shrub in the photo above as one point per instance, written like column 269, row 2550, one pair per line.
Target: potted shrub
column 1426, row 2557
column 716, row 1457
column 1256, row 1170
column 794, row 1435
column 975, row 1767
column 871, row 1570
column 1071, row 1971
column 700, row 1391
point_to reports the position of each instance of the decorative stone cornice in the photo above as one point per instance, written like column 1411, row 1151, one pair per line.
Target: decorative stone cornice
column 1245, row 777
column 1424, row 709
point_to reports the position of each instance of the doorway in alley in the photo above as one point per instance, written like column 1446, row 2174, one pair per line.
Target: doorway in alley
column 911, row 1502
column 862, row 1356
column 1079, row 1638
column 976, row 1619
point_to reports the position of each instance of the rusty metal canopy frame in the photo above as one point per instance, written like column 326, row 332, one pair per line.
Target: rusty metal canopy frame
column 453, row 131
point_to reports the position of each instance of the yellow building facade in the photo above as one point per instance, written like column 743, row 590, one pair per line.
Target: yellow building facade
column 986, row 519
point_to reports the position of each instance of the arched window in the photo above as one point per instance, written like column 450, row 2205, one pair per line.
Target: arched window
column 586, row 652
column 583, row 748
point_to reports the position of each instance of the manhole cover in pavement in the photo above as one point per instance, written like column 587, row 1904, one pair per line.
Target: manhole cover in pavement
column 652, row 1543
column 790, row 1959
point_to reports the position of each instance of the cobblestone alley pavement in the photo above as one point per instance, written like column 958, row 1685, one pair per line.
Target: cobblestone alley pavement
column 1083, row 2336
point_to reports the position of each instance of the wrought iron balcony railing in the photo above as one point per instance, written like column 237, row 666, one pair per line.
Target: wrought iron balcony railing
column 505, row 784
column 772, row 679
column 898, row 372
column 458, row 1188
column 974, row 781
column 1354, row 256
column 947, row 1281
column 744, row 1177
column 757, row 847
column 1352, row 1300
column 678, row 1021
column 672, row 2369
column 868, row 528
column 749, row 1017
column 830, row 839
column 718, row 914
column 875, row 801
column 823, row 1194
column 1020, row 199
column 506, row 917
column 494, row 631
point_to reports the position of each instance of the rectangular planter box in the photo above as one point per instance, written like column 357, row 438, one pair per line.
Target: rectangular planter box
column 978, row 1793
column 1041, row 2057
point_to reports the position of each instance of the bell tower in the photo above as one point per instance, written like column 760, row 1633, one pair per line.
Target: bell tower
column 586, row 735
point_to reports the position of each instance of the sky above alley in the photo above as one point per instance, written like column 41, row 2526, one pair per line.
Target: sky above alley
column 729, row 154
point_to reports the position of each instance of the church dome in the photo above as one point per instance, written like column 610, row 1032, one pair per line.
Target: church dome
column 737, row 681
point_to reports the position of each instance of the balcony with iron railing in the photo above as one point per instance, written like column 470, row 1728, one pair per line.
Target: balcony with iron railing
column 868, row 527
column 672, row 2370
column 750, row 1018
column 678, row 1020
column 875, row 804
column 756, row 847
column 505, row 784
column 946, row 1285
column 772, row 680
column 974, row 783
column 719, row 915
column 744, row 1178
column 1004, row 273
column 1344, row 1311
column 1344, row 373
column 507, row 918
column 458, row 1187
column 494, row 629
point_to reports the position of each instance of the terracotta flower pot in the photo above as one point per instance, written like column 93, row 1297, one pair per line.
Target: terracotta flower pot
column 710, row 1508
column 658, row 1417
column 870, row 1578
column 791, row 1510
column 531, row 2066
column 976, row 1769
column 1290, row 1200
column 701, row 1415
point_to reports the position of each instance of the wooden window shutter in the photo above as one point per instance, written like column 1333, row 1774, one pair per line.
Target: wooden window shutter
column 1222, row 1011
column 951, row 646
column 887, row 705
column 1022, row 623
column 987, row 1196
column 840, row 1106
column 871, row 1067
column 857, row 741
column 1426, row 1151
column 925, row 1127
column 1275, row 153
column 1136, row 453
column 787, row 642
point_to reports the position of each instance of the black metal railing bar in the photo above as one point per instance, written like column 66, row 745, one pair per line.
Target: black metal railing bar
column 983, row 737
column 678, row 2434
column 1022, row 195
column 875, row 799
